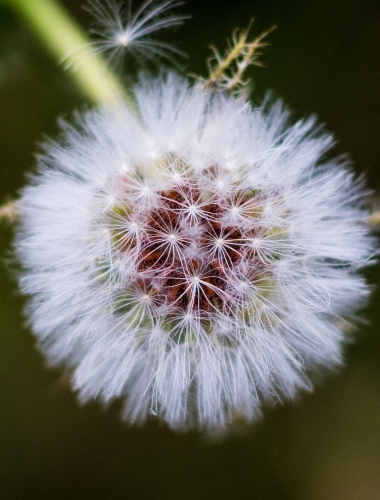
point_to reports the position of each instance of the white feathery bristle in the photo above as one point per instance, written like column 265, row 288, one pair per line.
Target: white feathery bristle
column 119, row 30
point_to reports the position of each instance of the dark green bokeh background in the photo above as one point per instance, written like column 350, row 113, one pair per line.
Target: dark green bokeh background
column 324, row 59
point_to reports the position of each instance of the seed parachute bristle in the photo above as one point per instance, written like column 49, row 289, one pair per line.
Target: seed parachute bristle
column 120, row 31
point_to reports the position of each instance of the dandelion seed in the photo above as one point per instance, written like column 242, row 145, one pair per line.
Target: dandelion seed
column 180, row 284
column 119, row 30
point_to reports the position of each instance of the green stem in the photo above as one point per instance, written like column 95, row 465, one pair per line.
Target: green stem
column 65, row 40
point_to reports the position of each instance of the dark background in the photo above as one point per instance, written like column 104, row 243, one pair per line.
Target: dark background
column 323, row 59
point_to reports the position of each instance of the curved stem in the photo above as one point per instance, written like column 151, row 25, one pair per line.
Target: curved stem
column 65, row 40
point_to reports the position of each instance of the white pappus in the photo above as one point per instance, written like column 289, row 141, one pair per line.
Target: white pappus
column 119, row 30
column 194, row 261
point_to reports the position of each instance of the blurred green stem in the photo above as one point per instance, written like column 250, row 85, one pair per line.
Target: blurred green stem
column 8, row 211
column 374, row 219
column 65, row 40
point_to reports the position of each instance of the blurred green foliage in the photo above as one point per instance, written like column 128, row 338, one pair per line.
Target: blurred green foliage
column 323, row 59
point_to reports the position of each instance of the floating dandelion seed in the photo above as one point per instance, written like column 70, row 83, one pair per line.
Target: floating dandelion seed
column 208, row 276
column 121, row 30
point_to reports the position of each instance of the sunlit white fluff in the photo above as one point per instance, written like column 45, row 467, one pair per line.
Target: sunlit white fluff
column 194, row 261
column 121, row 30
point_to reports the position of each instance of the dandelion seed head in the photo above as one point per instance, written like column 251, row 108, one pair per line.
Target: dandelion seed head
column 181, row 286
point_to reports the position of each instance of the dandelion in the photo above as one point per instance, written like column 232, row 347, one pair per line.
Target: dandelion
column 119, row 30
column 195, row 262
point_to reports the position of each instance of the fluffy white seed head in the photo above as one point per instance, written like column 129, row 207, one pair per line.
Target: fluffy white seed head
column 201, row 280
